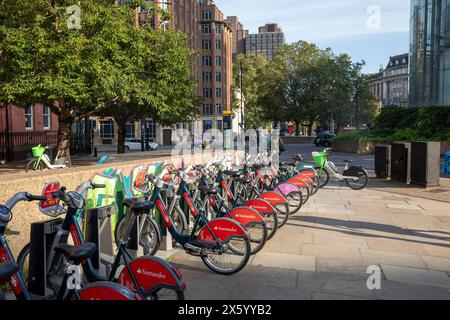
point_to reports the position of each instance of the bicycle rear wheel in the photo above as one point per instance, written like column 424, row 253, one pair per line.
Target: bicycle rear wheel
column 360, row 183
column 148, row 238
column 228, row 261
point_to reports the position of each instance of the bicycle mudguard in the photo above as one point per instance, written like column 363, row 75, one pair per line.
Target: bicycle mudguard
column 273, row 198
column 354, row 171
column 246, row 216
column 286, row 188
column 260, row 205
column 106, row 291
column 223, row 230
column 308, row 173
column 152, row 274
column 298, row 182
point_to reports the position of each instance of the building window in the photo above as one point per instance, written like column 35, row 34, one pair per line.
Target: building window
column 207, row 109
column 207, row 125
column 207, row 93
column 29, row 118
column 206, row 77
column 218, row 92
column 218, row 77
column 106, row 129
column 151, row 128
column 206, row 61
column 206, row 29
column 218, row 29
column 206, row 15
column 218, row 109
column 218, row 45
column 218, row 61
column 206, row 45
column 46, row 118
column 130, row 130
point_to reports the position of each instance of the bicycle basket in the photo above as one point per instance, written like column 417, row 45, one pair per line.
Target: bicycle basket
column 38, row 151
column 319, row 158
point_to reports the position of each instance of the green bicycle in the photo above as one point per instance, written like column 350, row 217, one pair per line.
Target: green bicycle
column 41, row 160
column 355, row 177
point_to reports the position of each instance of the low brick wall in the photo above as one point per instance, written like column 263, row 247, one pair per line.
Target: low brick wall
column 359, row 147
column 25, row 213
column 298, row 140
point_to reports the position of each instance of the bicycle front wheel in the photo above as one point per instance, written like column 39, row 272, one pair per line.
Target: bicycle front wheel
column 32, row 165
column 324, row 178
column 229, row 261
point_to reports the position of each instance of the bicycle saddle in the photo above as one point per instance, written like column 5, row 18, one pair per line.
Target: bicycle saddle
column 137, row 206
column 243, row 180
column 208, row 190
column 297, row 157
column 7, row 270
column 76, row 254
column 232, row 173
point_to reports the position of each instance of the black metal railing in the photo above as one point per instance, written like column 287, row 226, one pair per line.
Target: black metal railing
column 16, row 146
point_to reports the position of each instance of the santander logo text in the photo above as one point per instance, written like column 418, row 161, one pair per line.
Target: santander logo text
column 159, row 275
column 225, row 229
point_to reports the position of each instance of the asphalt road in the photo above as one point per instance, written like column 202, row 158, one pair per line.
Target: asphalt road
column 366, row 161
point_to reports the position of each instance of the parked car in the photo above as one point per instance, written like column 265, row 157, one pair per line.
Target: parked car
column 136, row 145
column 323, row 139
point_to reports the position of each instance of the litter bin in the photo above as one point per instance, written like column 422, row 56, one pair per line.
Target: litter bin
column 401, row 162
column 383, row 161
column 446, row 165
column 425, row 163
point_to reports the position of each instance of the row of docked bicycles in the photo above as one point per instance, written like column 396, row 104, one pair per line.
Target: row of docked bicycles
column 222, row 212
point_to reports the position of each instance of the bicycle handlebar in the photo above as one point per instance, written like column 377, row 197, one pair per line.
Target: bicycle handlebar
column 5, row 215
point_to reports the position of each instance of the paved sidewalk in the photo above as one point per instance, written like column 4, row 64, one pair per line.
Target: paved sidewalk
column 324, row 251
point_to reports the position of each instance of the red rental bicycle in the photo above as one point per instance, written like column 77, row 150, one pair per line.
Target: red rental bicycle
column 222, row 244
column 75, row 255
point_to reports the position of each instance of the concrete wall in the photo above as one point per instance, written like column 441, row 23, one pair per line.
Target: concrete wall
column 25, row 213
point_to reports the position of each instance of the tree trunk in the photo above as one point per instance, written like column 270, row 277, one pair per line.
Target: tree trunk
column 310, row 128
column 64, row 133
column 297, row 128
column 121, row 132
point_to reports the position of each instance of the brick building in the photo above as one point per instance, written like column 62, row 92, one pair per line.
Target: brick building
column 239, row 35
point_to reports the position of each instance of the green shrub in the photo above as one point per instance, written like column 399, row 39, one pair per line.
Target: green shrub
column 411, row 124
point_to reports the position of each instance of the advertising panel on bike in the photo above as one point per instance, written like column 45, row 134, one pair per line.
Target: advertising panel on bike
column 51, row 205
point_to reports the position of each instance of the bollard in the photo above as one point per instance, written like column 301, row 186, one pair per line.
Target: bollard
column 95, row 152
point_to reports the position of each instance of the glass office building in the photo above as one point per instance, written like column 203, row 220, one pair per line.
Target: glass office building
column 430, row 53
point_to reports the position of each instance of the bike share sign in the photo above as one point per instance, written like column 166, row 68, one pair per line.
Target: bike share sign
column 51, row 205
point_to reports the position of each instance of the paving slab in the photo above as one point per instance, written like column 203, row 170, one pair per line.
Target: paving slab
column 416, row 276
column 340, row 241
column 285, row 261
column 242, row 292
column 393, row 290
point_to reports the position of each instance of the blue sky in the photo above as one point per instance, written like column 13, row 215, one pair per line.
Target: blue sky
column 370, row 30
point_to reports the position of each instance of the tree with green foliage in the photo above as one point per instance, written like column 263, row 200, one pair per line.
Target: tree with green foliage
column 81, row 65
column 252, row 68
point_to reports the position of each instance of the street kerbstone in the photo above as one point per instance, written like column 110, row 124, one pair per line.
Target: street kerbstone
column 437, row 263
column 330, row 251
column 372, row 257
column 399, row 246
column 340, row 241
